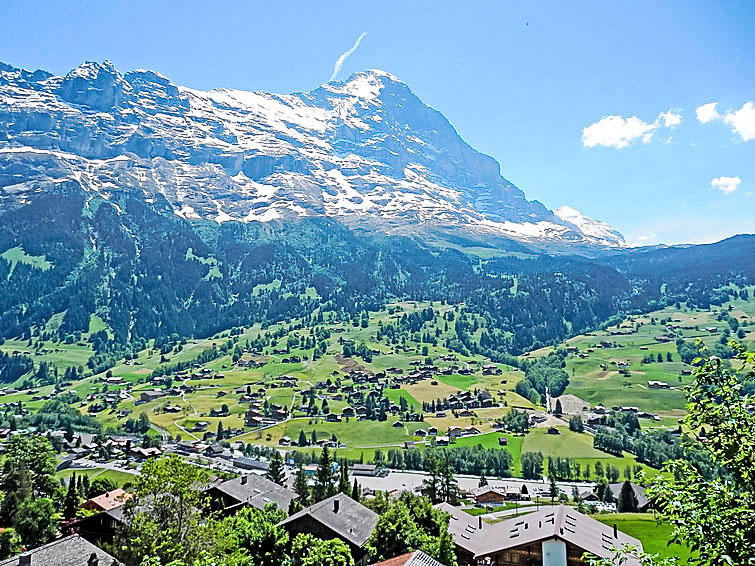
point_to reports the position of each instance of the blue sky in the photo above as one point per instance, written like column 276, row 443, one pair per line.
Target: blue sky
column 590, row 104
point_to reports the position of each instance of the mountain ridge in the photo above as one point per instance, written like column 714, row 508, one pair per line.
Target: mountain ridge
column 365, row 151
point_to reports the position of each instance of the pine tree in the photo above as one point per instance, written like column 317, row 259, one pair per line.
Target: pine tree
column 343, row 484
column 356, row 491
column 85, row 486
column 276, row 472
column 220, row 431
column 627, row 502
column 71, row 502
column 483, row 481
column 559, row 409
column 324, row 487
column 302, row 438
column 301, row 487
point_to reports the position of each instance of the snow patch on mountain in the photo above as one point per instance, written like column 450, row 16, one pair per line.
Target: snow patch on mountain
column 594, row 229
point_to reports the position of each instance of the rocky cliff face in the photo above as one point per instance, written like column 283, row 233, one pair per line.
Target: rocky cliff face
column 366, row 151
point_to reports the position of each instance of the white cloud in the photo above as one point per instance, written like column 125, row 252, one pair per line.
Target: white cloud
column 615, row 131
column 645, row 238
column 742, row 121
column 618, row 132
column 707, row 112
column 345, row 55
column 726, row 185
column 670, row 118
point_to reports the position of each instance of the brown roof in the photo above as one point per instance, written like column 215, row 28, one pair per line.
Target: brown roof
column 109, row 500
column 561, row 522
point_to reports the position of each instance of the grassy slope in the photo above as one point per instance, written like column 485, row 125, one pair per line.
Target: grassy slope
column 588, row 381
column 654, row 536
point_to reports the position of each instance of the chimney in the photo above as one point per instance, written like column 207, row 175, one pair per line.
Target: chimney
column 93, row 560
column 615, row 531
column 244, row 480
column 335, row 505
column 24, row 560
column 480, row 527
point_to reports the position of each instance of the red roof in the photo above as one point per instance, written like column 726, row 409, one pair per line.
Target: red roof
column 396, row 560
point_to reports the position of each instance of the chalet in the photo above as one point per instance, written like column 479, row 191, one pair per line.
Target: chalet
column 284, row 441
column 420, row 432
column 503, row 441
column 432, row 431
column 554, row 535
column 442, row 440
column 107, row 501
column 398, row 424
column 250, row 490
column 487, row 495
column 147, row 396
column 454, row 431
column 336, row 517
column 214, row 450
column 72, row 549
column 333, row 418
column 347, row 412
column 471, row 430
column 594, row 419
column 142, row 453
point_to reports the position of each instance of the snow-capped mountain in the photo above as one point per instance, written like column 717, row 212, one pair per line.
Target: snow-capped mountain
column 366, row 151
column 591, row 228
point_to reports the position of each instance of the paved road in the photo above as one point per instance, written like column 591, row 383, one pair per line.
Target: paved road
column 413, row 480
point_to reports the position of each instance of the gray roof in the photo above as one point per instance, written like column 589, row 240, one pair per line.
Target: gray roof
column 68, row 551
column 353, row 521
column 561, row 522
column 258, row 491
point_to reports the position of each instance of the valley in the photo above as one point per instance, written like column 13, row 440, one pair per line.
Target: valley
column 378, row 382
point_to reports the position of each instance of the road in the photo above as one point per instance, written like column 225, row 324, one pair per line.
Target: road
column 412, row 480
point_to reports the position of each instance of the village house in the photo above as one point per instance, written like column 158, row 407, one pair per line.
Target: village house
column 249, row 490
column 71, row 549
column 488, row 495
column 554, row 535
column 107, row 501
column 336, row 517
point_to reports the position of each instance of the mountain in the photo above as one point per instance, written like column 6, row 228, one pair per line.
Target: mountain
column 366, row 152
column 596, row 229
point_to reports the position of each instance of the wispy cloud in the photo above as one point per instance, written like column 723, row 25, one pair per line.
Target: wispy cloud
column 726, row 185
column 619, row 132
column 345, row 55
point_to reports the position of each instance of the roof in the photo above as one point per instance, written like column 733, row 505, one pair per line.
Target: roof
column 416, row 558
column 352, row 521
column 109, row 500
column 256, row 490
column 561, row 522
column 476, row 492
column 68, row 551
